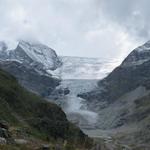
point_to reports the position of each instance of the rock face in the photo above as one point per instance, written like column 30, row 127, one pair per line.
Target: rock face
column 116, row 97
column 5, row 136
column 138, row 56
column 30, row 63
column 131, row 74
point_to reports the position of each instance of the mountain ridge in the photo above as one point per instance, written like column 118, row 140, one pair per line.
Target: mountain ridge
column 116, row 96
column 33, row 117
column 26, row 63
column 34, row 54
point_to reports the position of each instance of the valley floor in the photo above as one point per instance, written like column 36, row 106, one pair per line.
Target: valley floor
column 112, row 139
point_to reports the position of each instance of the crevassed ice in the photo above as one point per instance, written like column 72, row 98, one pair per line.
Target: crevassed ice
column 84, row 68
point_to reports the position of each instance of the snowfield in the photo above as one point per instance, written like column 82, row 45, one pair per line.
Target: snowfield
column 84, row 68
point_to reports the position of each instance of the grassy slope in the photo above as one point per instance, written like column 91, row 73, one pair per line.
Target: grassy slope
column 42, row 119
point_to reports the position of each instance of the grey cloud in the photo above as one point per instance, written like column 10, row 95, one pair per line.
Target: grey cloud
column 134, row 15
column 91, row 28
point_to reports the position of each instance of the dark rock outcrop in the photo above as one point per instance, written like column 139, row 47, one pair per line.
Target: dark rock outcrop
column 31, row 54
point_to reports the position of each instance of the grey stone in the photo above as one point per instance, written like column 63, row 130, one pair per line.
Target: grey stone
column 3, row 141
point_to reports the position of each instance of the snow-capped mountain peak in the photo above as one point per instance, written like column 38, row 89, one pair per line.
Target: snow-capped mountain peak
column 40, row 53
column 33, row 55
column 138, row 56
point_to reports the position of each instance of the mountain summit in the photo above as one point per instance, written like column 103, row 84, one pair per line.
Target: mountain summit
column 30, row 63
column 122, row 99
column 34, row 55
column 138, row 56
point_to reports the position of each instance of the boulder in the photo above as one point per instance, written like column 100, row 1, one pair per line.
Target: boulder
column 21, row 141
column 4, row 124
column 3, row 141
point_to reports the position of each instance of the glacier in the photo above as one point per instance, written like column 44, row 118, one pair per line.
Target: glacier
column 80, row 75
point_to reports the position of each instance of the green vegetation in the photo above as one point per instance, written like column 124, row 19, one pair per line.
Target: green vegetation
column 30, row 116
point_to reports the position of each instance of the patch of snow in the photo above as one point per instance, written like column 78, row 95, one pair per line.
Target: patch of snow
column 138, row 56
column 145, row 47
column 14, row 60
column 40, row 53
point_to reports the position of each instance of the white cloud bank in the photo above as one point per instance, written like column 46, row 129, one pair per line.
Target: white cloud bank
column 91, row 28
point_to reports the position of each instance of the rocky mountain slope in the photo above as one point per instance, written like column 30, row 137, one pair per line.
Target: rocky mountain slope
column 32, row 119
column 29, row 78
column 131, row 74
column 121, row 99
column 30, row 63
column 33, row 54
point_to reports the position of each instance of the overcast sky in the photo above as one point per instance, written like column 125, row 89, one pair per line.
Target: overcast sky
column 91, row 28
